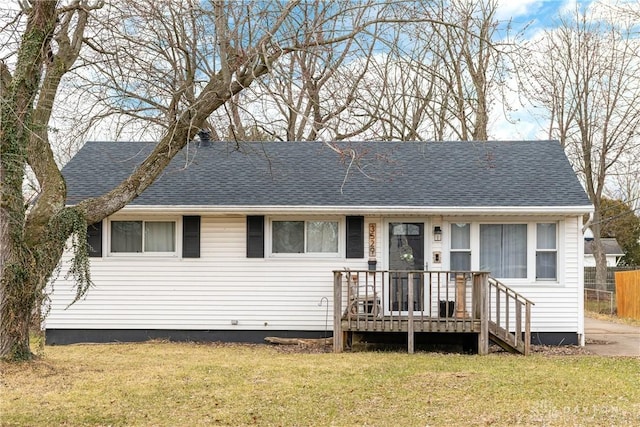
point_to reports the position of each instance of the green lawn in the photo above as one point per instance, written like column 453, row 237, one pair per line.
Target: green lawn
column 173, row 384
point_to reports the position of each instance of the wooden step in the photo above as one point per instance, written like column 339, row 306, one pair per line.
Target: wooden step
column 506, row 339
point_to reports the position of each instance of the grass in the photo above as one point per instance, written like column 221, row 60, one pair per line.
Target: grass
column 176, row 384
column 600, row 306
column 604, row 308
column 612, row 318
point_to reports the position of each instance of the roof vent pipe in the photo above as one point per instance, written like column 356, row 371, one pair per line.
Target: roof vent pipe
column 205, row 140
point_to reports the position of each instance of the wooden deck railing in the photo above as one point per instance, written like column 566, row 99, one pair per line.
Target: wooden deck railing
column 428, row 301
column 506, row 324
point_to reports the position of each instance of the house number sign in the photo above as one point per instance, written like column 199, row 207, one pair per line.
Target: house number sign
column 372, row 240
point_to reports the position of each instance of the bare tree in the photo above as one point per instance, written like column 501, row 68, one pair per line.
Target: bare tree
column 440, row 79
column 400, row 91
column 165, row 66
column 310, row 91
column 473, row 69
column 586, row 76
column 625, row 180
column 50, row 44
column 431, row 71
column 313, row 95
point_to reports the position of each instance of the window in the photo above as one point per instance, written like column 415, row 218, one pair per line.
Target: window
column 296, row 237
column 143, row 236
column 460, row 247
column 503, row 250
column 546, row 252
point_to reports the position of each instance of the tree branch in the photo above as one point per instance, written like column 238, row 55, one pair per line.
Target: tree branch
column 39, row 153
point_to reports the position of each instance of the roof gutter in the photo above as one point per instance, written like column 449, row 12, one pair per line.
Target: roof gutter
column 364, row 210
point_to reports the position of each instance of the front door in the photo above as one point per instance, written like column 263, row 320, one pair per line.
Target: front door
column 406, row 253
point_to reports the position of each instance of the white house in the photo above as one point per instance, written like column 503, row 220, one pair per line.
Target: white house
column 612, row 250
column 238, row 242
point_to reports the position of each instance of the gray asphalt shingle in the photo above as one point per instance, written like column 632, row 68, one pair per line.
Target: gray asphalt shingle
column 609, row 244
column 385, row 174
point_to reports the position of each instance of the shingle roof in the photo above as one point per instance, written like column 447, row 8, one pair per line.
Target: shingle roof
column 609, row 244
column 384, row 174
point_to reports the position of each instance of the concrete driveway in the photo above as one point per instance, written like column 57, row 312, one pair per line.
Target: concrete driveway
column 611, row 339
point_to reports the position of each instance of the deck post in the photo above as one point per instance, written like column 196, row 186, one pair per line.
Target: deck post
column 475, row 300
column 410, row 335
column 338, row 343
column 461, row 296
column 527, row 328
column 518, row 334
column 483, row 298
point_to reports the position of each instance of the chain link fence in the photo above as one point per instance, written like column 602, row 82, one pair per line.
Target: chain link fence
column 601, row 301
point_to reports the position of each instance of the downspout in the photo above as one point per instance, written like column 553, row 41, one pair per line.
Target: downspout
column 581, row 331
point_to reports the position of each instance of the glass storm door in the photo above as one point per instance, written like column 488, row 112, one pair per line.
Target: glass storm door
column 406, row 253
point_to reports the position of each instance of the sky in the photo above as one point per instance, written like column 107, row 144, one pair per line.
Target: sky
column 523, row 11
column 531, row 17
column 535, row 16
column 538, row 16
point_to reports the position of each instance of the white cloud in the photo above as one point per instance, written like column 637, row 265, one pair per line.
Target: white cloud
column 568, row 7
column 508, row 9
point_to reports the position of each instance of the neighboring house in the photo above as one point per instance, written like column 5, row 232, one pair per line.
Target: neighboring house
column 238, row 241
column 612, row 250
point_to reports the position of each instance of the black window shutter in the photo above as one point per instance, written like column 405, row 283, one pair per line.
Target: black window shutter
column 94, row 239
column 355, row 237
column 255, row 236
column 190, row 237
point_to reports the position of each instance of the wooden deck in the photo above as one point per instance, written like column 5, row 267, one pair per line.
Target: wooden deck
column 441, row 302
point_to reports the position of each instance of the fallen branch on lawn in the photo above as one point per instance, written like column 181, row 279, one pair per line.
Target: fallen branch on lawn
column 299, row 341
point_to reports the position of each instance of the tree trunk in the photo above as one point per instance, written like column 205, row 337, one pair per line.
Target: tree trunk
column 601, row 265
column 32, row 241
column 16, row 311
column 18, row 279
column 25, row 277
column 598, row 253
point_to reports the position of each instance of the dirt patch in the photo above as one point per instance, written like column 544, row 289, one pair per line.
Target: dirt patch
column 599, row 342
column 559, row 350
column 545, row 350
column 316, row 348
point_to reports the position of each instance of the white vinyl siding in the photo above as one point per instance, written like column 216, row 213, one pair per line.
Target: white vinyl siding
column 209, row 292
column 279, row 293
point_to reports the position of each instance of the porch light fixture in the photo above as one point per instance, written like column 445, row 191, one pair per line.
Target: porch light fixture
column 437, row 233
